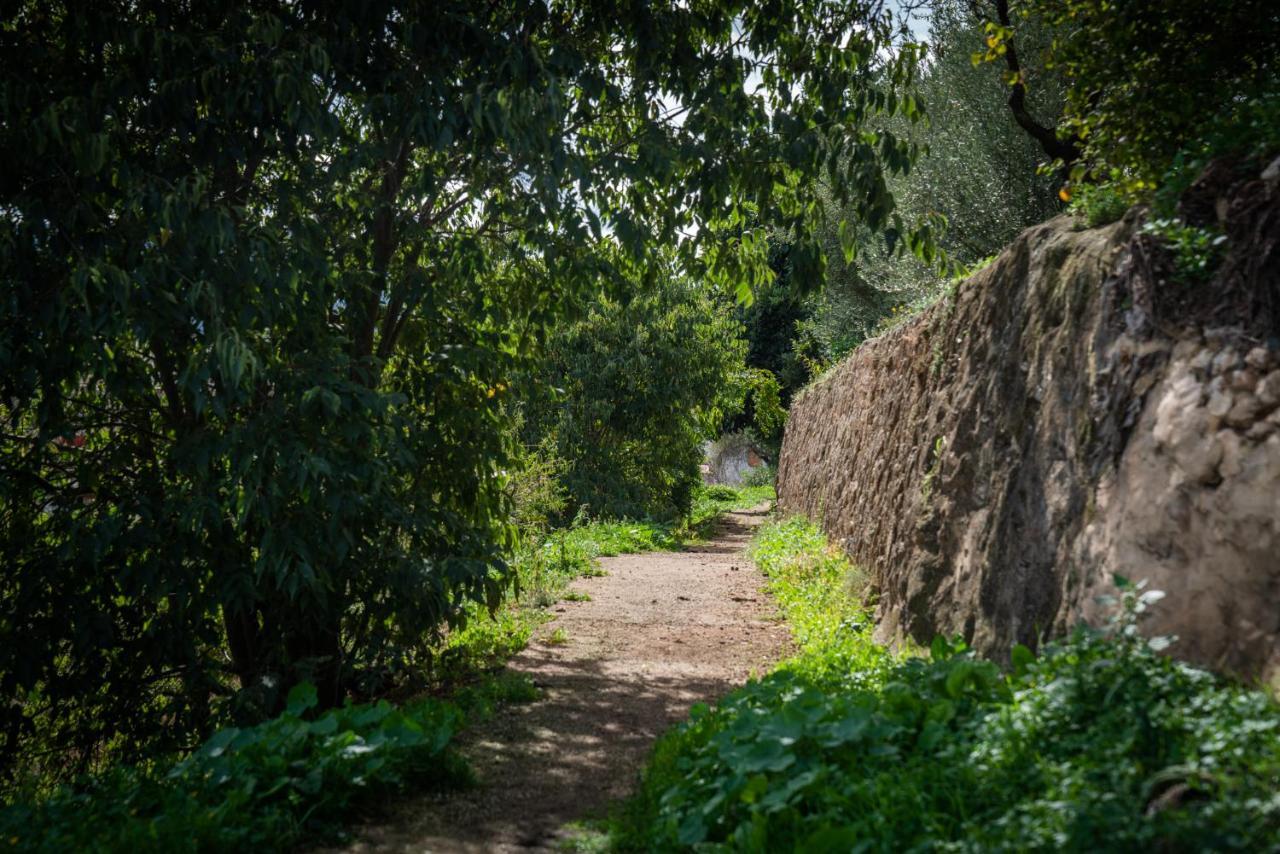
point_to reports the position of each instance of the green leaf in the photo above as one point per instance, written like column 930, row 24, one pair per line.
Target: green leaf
column 302, row 697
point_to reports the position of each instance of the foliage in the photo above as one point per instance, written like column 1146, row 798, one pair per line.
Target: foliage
column 1246, row 130
column 770, row 321
column 538, row 497
column 1099, row 743
column 710, row 502
column 977, row 172
column 822, row 596
column 1099, row 204
column 268, row 271
column 271, row 786
column 644, row 382
column 1149, row 77
column 1196, row 251
column 295, row 778
column 762, row 475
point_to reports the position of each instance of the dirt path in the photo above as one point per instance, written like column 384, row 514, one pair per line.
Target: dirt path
column 660, row 633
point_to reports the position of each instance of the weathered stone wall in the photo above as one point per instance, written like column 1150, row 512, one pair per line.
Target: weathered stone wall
column 994, row 461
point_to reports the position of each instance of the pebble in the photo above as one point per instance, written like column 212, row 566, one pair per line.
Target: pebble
column 1244, row 412
column 1244, row 380
column 1261, row 430
column 1230, row 465
column 1226, row 360
column 1268, row 390
column 1220, row 404
column 1201, row 362
column 1258, row 358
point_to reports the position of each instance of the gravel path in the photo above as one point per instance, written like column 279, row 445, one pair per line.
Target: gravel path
column 661, row 632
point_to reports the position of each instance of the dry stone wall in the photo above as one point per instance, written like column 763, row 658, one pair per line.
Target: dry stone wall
column 995, row 461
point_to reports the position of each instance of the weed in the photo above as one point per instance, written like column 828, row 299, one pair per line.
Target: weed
column 576, row 596
column 926, row 485
column 1197, row 252
column 558, row 638
column 273, row 786
column 1099, row 204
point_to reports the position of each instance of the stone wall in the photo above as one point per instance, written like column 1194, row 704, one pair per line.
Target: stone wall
column 995, row 461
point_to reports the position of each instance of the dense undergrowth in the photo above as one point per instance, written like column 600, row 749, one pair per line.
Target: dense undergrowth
column 300, row 777
column 1097, row 743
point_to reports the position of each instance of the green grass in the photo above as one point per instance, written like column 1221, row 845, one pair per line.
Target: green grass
column 1099, row 743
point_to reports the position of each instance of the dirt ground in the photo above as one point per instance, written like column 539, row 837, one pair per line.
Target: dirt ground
column 661, row 632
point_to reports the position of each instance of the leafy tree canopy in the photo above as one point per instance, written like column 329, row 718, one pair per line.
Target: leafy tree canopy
column 266, row 263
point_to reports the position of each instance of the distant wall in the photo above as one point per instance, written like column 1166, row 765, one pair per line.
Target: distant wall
column 729, row 458
column 993, row 462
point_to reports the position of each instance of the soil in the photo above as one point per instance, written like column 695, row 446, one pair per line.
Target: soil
column 660, row 633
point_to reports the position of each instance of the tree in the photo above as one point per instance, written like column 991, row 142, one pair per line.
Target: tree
column 264, row 266
column 643, row 381
column 978, row 173
column 1146, row 78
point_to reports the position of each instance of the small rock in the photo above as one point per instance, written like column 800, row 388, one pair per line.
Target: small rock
column 1268, row 390
column 1229, row 442
column 1272, row 173
column 1243, row 412
column 1258, row 358
column 1226, row 360
column 1217, row 335
column 1221, row 207
column 1220, row 403
column 1201, row 362
column 1244, row 380
column 1218, row 385
column 1186, row 349
column 1144, row 383
column 1199, row 455
column 1177, row 409
column 1261, row 430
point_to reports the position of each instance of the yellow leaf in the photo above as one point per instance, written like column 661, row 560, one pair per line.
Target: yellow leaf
column 1065, row 193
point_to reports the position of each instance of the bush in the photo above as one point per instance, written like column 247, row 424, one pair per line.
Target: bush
column 271, row 786
column 720, row 493
column 644, row 382
column 1099, row 204
column 1100, row 743
column 1149, row 77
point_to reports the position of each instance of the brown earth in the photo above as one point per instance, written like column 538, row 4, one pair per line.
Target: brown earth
column 661, row 632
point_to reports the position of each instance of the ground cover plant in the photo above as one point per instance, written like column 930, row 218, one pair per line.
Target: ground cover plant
column 1098, row 743
column 271, row 786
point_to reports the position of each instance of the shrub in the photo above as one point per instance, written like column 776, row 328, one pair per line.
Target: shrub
column 1196, row 251
column 761, row 475
column 1099, row 204
column 720, row 493
column 270, row 786
column 1150, row 77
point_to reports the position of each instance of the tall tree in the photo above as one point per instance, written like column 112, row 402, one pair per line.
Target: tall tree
column 263, row 263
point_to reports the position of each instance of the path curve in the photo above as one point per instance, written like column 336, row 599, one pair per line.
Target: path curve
column 661, row 632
